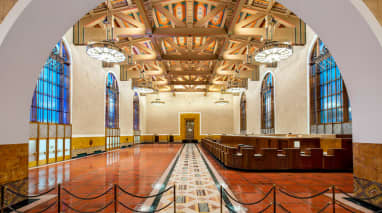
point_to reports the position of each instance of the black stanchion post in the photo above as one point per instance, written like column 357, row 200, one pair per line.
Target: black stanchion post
column 115, row 198
column 334, row 198
column 2, row 198
column 59, row 198
column 274, row 199
column 174, row 198
column 221, row 199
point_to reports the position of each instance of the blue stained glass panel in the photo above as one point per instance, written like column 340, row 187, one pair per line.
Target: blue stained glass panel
column 112, row 111
column 48, row 99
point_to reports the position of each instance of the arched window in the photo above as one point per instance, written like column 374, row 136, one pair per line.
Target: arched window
column 136, row 112
column 267, row 105
column 112, row 112
column 51, row 98
column 112, row 102
column 50, row 128
column 243, row 114
column 330, row 111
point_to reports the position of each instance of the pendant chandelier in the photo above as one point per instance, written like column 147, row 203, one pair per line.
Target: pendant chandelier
column 157, row 101
column 144, row 86
column 221, row 101
column 106, row 51
column 235, row 85
column 272, row 51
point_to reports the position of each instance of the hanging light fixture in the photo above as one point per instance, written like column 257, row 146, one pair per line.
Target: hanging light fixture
column 272, row 51
column 144, row 86
column 157, row 101
column 106, row 51
column 221, row 100
column 235, row 85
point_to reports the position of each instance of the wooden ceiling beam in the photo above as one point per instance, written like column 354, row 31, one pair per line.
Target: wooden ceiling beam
column 188, row 57
column 142, row 11
column 175, row 46
column 270, row 6
column 188, row 83
column 131, row 42
column 210, row 16
column 165, row 12
column 179, row 31
column 129, row 20
column 188, row 73
column 236, row 15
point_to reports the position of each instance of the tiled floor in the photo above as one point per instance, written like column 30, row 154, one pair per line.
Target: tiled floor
column 196, row 189
column 251, row 186
column 138, row 168
column 135, row 169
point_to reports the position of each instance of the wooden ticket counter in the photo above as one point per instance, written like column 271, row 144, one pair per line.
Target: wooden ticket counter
column 282, row 152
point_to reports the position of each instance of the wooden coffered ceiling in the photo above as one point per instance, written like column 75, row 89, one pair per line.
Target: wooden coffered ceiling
column 190, row 45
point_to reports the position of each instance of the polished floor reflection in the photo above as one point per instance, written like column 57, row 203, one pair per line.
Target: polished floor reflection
column 135, row 169
column 251, row 186
column 138, row 169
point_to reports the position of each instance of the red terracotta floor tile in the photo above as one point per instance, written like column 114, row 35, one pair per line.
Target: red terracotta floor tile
column 135, row 169
column 252, row 186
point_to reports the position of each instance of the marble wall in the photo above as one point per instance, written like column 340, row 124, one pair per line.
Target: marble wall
column 367, row 162
column 14, row 169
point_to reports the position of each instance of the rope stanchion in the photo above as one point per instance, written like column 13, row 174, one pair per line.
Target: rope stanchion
column 344, row 207
column 334, row 198
column 301, row 197
column 284, row 208
column 266, row 208
column 87, row 198
column 115, row 198
column 248, row 204
column 29, row 196
column 59, row 198
column 96, row 211
column 221, row 198
column 274, row 199
column 134, row 210
column 174, row 199
column 323, row 208
column 149, row 196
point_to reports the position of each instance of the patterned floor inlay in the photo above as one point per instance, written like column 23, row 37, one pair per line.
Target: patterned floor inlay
column 195, row 188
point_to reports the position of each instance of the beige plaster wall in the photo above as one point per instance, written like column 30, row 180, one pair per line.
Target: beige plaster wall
column 88, row 100
column 236, row 114
column 291, row 93
column 164, row 119
column 88, row 94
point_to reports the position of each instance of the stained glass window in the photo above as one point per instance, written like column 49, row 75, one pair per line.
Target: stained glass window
column 267, row 105
column 51, row 98
column 112, row 102
column 329, row 100
column 243, row 113
column 136, row 112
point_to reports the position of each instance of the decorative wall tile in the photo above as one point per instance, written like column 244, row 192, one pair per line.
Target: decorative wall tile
column 14, row 168
column 364, row 188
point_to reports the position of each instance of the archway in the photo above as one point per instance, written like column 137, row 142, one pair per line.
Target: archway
column 30, row 18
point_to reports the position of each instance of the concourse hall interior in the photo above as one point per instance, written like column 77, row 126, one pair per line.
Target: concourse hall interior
column 189, row 106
